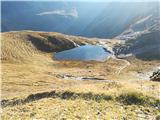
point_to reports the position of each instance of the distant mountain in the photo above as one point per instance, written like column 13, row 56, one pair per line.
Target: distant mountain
column 89, row 19
column 142, row 38
column 117, row 17
column 144, row 25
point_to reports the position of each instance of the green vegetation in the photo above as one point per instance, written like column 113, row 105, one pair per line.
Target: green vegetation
column 125, row 98
column 138, row 99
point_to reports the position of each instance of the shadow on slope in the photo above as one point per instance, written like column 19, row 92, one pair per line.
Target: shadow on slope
column 126, row 98
column 147, row 47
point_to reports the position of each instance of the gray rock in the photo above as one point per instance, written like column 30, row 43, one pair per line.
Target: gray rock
column 155, row 76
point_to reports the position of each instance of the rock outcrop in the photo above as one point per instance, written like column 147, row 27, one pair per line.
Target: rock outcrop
column 155, row 76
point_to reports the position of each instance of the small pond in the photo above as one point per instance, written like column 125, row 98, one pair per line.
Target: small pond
column 84, row 53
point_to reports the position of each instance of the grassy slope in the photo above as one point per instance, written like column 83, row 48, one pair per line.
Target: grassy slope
column 19, row 46
column 28, row 69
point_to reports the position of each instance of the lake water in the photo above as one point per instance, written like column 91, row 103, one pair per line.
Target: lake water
column 84, row 53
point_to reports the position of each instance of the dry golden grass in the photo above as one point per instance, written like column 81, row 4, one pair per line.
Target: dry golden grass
column 16, row 49
column 36, row 72
column 77, row 109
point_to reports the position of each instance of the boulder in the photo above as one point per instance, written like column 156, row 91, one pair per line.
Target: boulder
column 155, row 76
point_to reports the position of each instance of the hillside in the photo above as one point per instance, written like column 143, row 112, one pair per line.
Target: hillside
column 35, row 86
column 50, row 72
column 145, row 46
column 21, row 46
column 142, row 25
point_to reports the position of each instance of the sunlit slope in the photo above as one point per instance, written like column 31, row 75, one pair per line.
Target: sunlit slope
column 23, row 45
column 15, row 48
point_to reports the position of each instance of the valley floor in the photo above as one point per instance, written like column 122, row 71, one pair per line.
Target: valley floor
column 119, row 90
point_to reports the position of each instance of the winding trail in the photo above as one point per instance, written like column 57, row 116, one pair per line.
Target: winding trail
column 127, row 63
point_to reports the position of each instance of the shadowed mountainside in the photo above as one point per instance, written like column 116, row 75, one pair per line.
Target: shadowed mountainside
column 90, row 20
column 145, row 47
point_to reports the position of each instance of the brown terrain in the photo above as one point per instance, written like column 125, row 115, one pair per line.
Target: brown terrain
column 34, row 85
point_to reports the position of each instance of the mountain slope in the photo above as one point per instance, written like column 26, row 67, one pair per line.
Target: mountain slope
column 145, row 46
column 25, row 44
column 46, row 88
column 143, row 25
column 93, row 19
